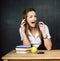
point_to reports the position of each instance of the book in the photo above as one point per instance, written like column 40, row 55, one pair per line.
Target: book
column 22, row 49
column 22, row 46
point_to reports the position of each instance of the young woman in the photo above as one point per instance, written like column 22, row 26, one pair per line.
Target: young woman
column 32, row 32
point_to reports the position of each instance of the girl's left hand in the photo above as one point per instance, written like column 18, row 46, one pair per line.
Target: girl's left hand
column 42, row 27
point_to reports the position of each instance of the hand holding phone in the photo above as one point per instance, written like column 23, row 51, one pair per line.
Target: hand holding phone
column 23, row 25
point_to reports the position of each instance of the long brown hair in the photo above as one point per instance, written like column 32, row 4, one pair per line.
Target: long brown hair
column 24, row 16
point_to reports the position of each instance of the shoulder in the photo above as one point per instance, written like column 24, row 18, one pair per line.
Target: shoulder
column 46, row 26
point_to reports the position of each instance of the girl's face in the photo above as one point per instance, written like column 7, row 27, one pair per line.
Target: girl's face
column 31, row 18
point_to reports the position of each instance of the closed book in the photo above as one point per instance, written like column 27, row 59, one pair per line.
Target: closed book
column 22, row 49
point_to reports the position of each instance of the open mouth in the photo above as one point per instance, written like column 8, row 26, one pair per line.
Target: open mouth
column 33, row 22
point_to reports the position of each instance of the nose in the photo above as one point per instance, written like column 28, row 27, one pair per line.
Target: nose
column 34, row 18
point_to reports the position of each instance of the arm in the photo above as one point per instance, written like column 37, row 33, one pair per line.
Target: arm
column 25, row 39
column 47, row 42
column 46, row 36
column 23, row 34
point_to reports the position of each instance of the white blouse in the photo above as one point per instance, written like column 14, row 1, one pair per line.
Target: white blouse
column 35, row 41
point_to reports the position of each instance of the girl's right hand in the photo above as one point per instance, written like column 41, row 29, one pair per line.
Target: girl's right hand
column 23, row 25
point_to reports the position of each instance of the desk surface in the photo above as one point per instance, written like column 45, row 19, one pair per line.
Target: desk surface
column 53, row 54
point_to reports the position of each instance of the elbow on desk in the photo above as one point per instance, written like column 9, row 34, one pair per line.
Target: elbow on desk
column 49, row 48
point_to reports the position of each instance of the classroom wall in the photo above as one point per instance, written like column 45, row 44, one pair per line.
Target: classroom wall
column 11, row 15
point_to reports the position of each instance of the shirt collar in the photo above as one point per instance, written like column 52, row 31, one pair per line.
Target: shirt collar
column 30, row 34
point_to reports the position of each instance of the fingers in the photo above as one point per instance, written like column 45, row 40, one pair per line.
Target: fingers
column 41, row 23
column 42, row 26
column 23, row 22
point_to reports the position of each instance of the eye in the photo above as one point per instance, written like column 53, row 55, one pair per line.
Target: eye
column 35, row 16
column 31, row 16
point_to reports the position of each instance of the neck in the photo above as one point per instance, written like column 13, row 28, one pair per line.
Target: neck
column 32, row 29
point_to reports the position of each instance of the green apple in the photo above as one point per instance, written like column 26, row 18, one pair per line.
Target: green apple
column 34, row 49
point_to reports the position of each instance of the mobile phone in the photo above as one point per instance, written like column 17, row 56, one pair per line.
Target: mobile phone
column 40, row 53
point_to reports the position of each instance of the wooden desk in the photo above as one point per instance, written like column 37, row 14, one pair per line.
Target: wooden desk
column 53, row 55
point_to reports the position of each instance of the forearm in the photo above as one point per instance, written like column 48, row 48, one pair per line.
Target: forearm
column 48, row 44
column 47, row 41
column 25, row 40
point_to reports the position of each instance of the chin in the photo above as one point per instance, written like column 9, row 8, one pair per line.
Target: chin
column 33, row 26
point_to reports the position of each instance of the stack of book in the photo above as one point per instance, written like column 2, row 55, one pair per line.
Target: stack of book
column 22, row 49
